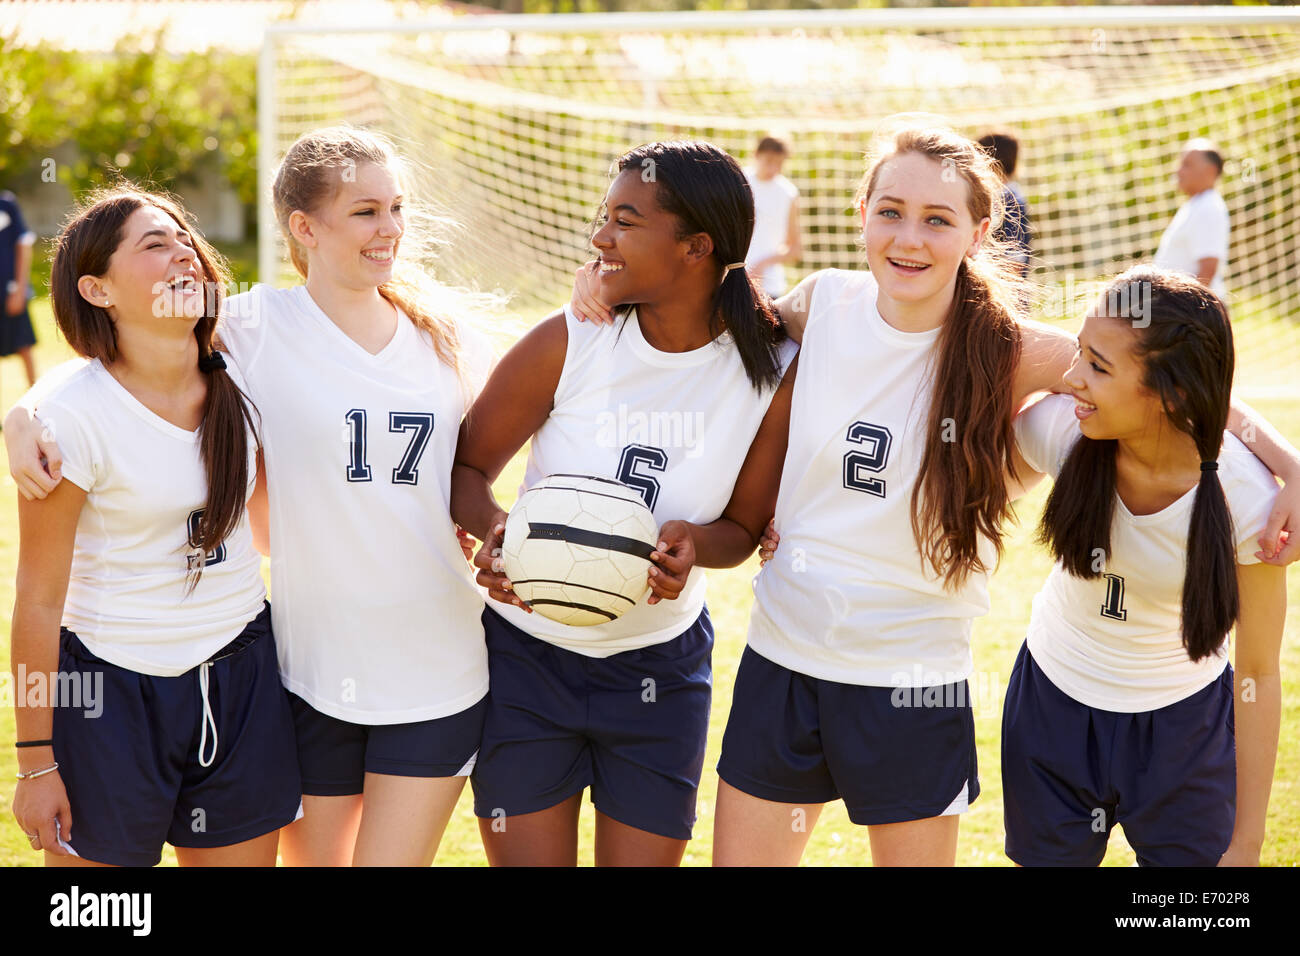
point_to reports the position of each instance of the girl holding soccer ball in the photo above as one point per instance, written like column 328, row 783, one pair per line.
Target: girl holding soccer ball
column 362, row 374
column 1122, row 704
column 623, row 707
column 145, row 557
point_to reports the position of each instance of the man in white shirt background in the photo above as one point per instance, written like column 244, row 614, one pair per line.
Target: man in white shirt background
column 776, row 239
column 1196, row 241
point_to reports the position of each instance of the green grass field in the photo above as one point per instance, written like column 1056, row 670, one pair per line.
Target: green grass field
column 835, row 841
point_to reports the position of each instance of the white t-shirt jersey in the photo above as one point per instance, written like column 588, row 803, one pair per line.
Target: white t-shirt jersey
column 1115, row 642
column 675, row 425
column 145, row 484
column 1199, row 230
column 772, row 199
column 376, row 613
column 847, row 598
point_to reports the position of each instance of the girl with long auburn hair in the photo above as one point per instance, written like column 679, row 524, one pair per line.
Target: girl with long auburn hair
column 1122, row 704
column 623, row 707
column 362, row 374
column 145, row 557
column 894, row 489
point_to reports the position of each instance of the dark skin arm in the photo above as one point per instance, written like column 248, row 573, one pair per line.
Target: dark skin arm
column 513, row 405
column 732, row 538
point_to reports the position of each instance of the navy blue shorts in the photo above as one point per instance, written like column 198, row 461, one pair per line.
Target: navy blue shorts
column 632, row 726
column 892, row 754
column 335, row 755
column 130, row 759
column 1070, row 772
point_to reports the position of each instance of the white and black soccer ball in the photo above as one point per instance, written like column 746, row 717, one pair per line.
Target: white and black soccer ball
column 577, row 548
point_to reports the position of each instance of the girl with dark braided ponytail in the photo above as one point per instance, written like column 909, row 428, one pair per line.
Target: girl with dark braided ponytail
column 1122, row 704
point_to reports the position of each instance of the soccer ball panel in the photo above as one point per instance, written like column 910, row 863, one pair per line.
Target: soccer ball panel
column 557, row 549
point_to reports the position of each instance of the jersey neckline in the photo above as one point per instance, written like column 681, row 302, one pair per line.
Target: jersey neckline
column 139, row 409
column 394, row 345
column 893, row 336
column 653, row 356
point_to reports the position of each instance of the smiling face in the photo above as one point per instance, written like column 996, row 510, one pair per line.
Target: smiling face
column 1106, row 381
column 641, row 255
column 353, row 237
column 154, row 271
column 917, row 227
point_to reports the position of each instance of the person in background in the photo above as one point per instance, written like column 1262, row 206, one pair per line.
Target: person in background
column 776, row 238
column 1014, row 231
column 1196, row 241
column 16, row 240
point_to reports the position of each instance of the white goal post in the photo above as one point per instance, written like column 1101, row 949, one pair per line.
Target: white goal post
column 514, row 121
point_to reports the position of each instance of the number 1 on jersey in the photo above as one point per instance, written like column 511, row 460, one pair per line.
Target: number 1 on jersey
column 358, row 470
column 1114, row 606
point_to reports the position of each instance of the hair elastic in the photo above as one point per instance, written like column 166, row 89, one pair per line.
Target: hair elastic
column 733, row 265
column 34, row 743
column 211, row 363
column 1209, row 466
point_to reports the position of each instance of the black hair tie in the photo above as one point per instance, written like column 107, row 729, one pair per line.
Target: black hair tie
column 1209, row 466
column 211, row 363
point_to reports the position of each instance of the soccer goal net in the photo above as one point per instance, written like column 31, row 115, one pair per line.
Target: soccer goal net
column 513, row 123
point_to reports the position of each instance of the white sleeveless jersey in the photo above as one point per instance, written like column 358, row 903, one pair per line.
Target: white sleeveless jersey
column 145, row 489
column 674, row 425
column 846, row 597
column 1115, row 642
column 375, row 609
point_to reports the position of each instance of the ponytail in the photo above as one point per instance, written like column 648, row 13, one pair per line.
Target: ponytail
column 749, row 314
column 1076, row 521
column 417, row 295
column 223, row 448
column 961, row 492
column 1211, row 602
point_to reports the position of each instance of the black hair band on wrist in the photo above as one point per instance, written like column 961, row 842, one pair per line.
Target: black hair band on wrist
column 1209, row 466
column 210, row 363
column 34, row 743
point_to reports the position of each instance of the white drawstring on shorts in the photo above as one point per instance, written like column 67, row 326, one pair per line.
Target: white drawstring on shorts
column 207, row 718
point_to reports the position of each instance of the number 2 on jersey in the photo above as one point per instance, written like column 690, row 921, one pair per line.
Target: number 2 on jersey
column 419, row 424
column 876, row 441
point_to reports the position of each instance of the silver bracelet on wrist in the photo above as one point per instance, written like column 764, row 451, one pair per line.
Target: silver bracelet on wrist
column 33, row 774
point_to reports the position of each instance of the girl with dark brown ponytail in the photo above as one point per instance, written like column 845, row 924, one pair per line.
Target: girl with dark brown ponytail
column 1121, row 707
column 145, row 557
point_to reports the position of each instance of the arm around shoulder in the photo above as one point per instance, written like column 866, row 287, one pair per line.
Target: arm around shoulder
column 794, row 305
column 514, row 403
